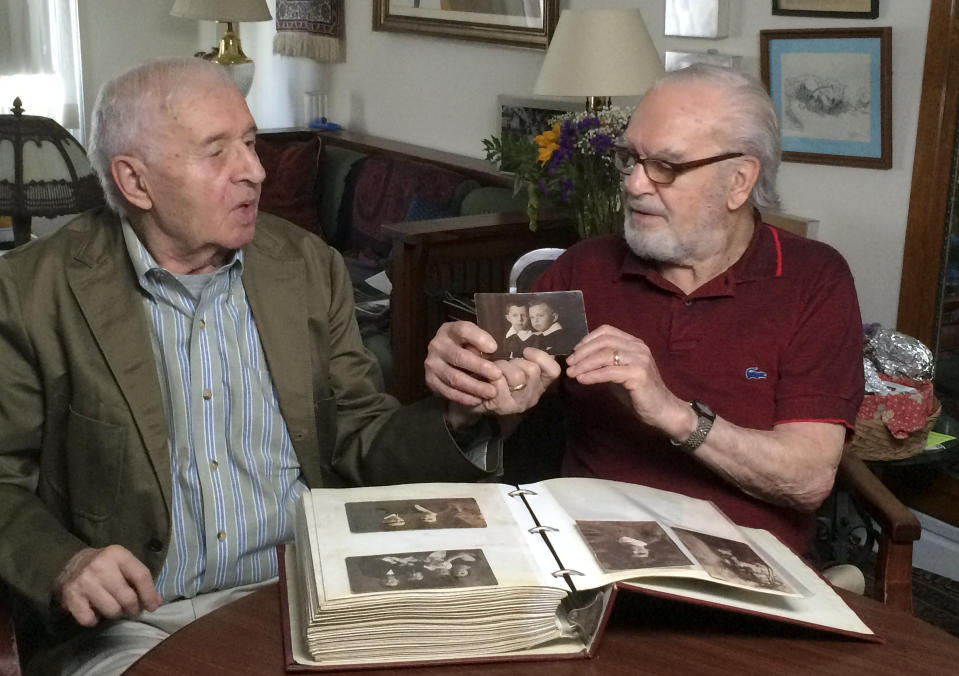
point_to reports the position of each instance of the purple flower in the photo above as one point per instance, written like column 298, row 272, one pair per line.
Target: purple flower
column 588, row 123
column 566, row 186
column 600, row 143
column 541, row 184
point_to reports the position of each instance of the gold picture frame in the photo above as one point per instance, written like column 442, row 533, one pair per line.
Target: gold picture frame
column 464, row 20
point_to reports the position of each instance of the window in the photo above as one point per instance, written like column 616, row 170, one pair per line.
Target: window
column 40, row 60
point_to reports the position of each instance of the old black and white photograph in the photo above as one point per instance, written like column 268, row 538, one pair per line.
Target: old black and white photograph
column 438, row 569
column 625, row 545
column 731, row 561
column 385, row 516
column 553, row 321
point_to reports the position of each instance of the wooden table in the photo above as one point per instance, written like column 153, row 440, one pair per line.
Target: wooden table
column 645, row 636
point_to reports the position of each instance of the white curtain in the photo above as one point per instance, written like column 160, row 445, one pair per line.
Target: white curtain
column 40, row 60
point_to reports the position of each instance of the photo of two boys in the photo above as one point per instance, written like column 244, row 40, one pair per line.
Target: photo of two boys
column 553, row 322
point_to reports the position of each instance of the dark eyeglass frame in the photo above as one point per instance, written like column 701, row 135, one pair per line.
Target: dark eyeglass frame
column 623, row 154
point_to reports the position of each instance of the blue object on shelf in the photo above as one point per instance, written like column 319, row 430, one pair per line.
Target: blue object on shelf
column 322, row 124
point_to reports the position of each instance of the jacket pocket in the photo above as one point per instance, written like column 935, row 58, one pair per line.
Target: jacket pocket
column 94, row 453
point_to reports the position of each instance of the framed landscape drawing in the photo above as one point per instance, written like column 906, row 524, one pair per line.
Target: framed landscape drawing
column 521, row 23
column 835, row 9
column 832, row 88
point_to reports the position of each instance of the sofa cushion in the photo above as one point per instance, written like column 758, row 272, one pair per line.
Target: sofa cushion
column 382, row 192
column 292, row 184
column 335, row 166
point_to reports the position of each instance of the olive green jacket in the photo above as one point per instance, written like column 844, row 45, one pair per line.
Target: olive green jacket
column 84, row 458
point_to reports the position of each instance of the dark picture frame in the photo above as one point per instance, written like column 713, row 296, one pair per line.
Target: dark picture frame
column 832, row 88
column 467, row 24
column 833, row 9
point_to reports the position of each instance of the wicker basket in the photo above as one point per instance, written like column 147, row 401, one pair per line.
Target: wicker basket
column 874, row 442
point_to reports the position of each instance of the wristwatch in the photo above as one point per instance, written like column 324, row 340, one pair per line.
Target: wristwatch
column 703, row 425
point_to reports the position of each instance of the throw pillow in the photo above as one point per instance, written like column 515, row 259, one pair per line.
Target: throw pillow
column 292, row 185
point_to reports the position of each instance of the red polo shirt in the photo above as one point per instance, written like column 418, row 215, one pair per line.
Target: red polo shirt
column 776, row 338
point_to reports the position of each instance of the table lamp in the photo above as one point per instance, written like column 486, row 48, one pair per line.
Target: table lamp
column 230, row 53
column 44, row 171
column 599, row 53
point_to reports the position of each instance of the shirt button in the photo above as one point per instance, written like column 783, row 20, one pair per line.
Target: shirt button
column 202, row 324
column 214, row 464
column 688, row 303
column 221, row 536
column 155, row 545
column 207, row 394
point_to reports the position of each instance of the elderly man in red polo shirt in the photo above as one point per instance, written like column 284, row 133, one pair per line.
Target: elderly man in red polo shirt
column 727, row 362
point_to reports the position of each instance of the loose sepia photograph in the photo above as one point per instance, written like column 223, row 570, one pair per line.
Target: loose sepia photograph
column 732, row 561
column 625, row 545
column 439, row 569
column 552, row 321
column 383, row 516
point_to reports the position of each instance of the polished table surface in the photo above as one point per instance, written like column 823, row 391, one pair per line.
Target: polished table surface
column 645, row 636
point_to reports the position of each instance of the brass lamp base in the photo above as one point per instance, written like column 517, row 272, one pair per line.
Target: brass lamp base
column 230, row 55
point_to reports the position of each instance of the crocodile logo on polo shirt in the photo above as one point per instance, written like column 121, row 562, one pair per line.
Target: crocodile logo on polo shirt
column 753, row 373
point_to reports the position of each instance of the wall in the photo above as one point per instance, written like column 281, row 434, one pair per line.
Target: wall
column 442, row 93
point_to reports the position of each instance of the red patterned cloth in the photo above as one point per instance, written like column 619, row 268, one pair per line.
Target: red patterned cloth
column 903, row 412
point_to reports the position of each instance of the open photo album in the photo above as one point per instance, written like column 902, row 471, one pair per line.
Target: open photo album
column 447, row 572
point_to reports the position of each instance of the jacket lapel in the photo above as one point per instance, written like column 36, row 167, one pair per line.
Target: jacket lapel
column 275, row 283
column 105, row 287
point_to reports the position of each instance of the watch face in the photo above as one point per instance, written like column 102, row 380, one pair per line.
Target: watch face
column 703, row 409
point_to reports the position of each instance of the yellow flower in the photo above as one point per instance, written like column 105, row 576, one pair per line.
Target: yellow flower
column 548, row 142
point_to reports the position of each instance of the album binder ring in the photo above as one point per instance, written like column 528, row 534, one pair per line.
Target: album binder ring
column 565, row 571
column 521, row 491
column 543, row 529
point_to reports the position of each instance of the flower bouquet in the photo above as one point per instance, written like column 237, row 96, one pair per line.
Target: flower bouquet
column 571, row 165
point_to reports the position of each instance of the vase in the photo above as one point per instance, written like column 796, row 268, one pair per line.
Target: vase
column 599, row 214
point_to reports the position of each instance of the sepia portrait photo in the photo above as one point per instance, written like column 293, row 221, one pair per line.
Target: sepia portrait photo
column 732, row 561
column 439, row 569
column 625, row 545
column 383, row 516
column 553, row 321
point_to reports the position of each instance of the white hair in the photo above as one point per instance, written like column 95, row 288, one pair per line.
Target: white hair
column 131, row 103
column 751, row 124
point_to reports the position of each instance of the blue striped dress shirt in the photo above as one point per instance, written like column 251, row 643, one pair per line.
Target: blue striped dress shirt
column 236, row 478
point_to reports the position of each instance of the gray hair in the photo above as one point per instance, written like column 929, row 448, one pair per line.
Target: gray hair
column 131, row 103
column 752, row 125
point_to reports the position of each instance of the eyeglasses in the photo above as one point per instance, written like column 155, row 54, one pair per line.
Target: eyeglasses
column 660, row 171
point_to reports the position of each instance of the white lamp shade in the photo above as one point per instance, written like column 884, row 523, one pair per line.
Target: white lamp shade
column 222, row 10
column 599, row 52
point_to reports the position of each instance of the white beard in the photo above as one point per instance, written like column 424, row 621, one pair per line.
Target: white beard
column 661, row 246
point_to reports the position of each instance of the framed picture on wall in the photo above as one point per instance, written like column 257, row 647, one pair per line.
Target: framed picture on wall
column 832, row 88
column 521, row 23
column 836, row 9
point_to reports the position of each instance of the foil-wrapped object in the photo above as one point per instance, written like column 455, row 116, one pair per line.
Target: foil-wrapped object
column 874, row 384
column 896, row 354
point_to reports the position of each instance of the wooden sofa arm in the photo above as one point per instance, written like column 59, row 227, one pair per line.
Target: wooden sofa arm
column 463, row 254
column 899, row 529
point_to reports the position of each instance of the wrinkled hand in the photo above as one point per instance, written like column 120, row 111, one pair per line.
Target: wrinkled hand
column 594, row 360
column 105, row 583
column 455, row 367
column 523, row 382
column 457, row 371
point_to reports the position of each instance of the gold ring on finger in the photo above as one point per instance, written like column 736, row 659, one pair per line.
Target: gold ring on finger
column 517, row 388
column 616, row 360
